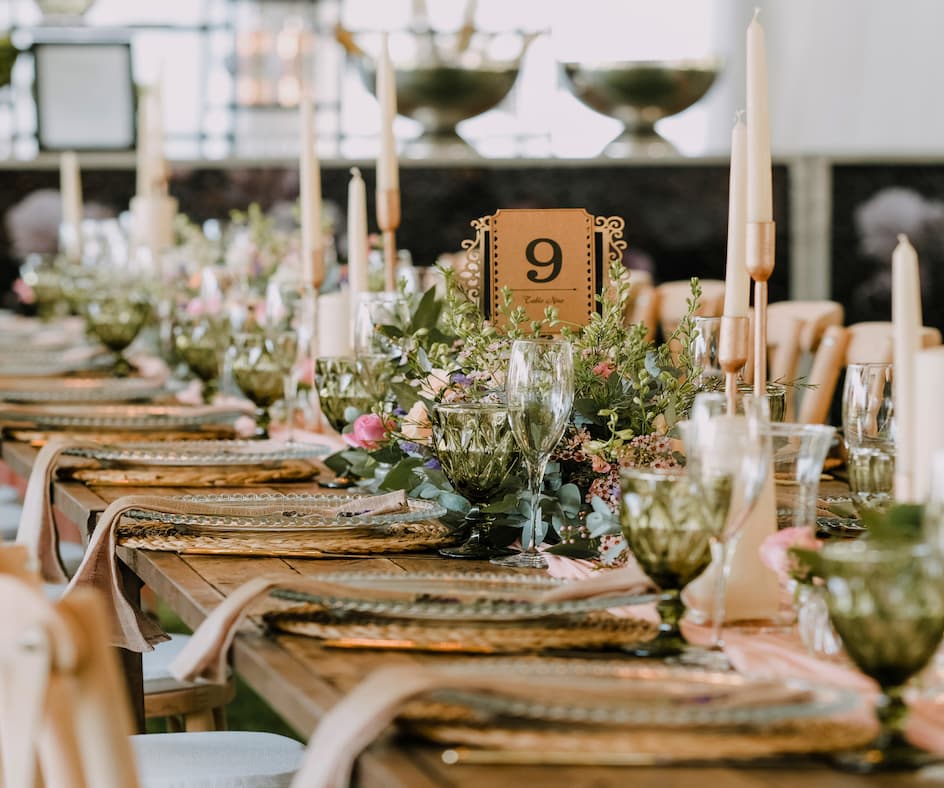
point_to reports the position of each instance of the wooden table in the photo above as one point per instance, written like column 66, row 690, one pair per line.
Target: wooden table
column 301, row 680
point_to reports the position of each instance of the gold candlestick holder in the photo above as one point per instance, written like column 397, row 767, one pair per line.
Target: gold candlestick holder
column 732, row 354
column 317, row 269
column 388, row 219
column 761, row 237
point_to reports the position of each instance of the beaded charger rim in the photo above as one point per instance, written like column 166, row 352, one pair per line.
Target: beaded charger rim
column 204, row 476
column 806, row 736
column 358, row 541
column 591, row 632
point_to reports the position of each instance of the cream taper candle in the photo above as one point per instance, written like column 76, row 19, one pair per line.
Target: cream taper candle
column 737, row 281
column 926, row 409
column 759, row 186
column 388, row 176
column 309, row 177
column 70, row 193
column 907, row 320
column 356, row 235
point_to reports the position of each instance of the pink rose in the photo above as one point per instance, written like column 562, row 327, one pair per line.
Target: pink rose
column 775, row 549
column 369, row 431
column 604, row 369
column 24, row 292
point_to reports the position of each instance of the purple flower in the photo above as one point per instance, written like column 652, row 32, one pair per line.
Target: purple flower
column 398, row 411
column 460, row 379
column 408, row 447
column 432, row 464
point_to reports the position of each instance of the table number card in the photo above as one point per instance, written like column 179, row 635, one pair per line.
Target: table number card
column 547, row 257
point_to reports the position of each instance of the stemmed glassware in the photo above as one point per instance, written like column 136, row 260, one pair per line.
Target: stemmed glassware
column 341, row 391
column 868, row 422
column 116, row 316
column 721, row 450
column 669, row 522
column 886, row 601
column 539, row 391
column 477, row 451
column 259, row 368
column 201, row 343
column 376, row 351
column 291, row 306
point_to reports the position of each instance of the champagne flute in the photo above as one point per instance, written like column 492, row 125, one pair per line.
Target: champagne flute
column 728, row 449
column 291, row 307
column 540, row 395
column 868, row 422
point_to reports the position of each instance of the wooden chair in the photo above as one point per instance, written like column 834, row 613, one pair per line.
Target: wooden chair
column 794, row 329
column 673, row 300
column 64, row 716
column 644, row 302
column 860, row 343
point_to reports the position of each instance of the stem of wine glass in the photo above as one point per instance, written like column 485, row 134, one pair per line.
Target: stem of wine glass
column 536, row 467
column 721, row 587
column 891, row 712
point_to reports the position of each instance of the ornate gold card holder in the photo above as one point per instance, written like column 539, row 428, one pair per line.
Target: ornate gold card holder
column 547, row 257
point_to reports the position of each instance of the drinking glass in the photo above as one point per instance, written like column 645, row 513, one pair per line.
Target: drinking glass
column 704, row 352
column 201, row 343
column 259, row 369
column 725, row 450
column 868, row 423
column 886, row 601
column 291, row 306
column 341, row 391
column 477, row 451
column 932, row 522
column 539, row 391
column 377, row 351
column 799, row 451
column 669, row 522
column 116, row 317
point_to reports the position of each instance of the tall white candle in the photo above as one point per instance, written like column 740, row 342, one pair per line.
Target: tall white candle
column 926, row 407
column 737, row 281
column 144, row 175
column 155, row 144
column 388, row 176
column 356, row 235
column 309, row 177
column 759, row 188
column 70, row 192
column 334, row 310
column 907, row 319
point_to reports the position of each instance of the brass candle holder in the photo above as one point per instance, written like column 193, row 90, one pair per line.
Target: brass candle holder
column 388, row 219
column 761, row 237
column 732, row 354
column 317, row 268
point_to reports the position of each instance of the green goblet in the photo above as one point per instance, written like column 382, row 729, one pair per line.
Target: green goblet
column 477, row 451
column 886, row 601
column 116, row 317
column 201, row 343
column 259, row 369
column 343, row 397
column 669, row 523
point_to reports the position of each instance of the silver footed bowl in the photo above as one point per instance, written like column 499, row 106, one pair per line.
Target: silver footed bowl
column 641, row 93
column 441, row 87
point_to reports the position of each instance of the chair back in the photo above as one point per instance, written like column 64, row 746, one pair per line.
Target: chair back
column 873, row 342
column 673, row 301
column 62, row 705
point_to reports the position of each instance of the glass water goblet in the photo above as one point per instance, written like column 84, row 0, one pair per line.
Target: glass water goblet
column 477, row 451
column 868, row 422
column 799, row 451
column 669, row 522
column 201, row 343
column 375, row 315
column 726, row 450
column 116, row 317
column 704, row 352
column 342, row 397
column 539, row 391
column 259, row 369
column 886, row 601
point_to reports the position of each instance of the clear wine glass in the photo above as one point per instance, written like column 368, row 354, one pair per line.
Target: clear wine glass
column 868, row 423
column 291, row 307
column 735, row 448
column 376, row 351
column 540, row 395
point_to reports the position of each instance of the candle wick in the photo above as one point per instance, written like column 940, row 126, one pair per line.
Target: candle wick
column 756, row 12
column 739, row 116
column 902, row 238
column 356, row 172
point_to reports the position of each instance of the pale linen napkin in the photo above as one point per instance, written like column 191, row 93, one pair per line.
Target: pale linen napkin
column 131, row 628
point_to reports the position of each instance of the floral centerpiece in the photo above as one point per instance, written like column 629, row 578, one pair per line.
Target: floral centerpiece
column 629, row 393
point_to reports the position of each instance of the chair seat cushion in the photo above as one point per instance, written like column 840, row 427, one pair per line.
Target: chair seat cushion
column 155, row 665
column 10, row 512
column 216, row 760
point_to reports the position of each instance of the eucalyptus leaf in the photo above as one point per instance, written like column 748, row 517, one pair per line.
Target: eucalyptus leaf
column 454, row 502
column 402, row 476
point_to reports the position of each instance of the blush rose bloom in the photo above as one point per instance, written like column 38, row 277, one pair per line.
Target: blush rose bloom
column 775, row 549
column 368, row 433
column 416, row 424
column 604, row 369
